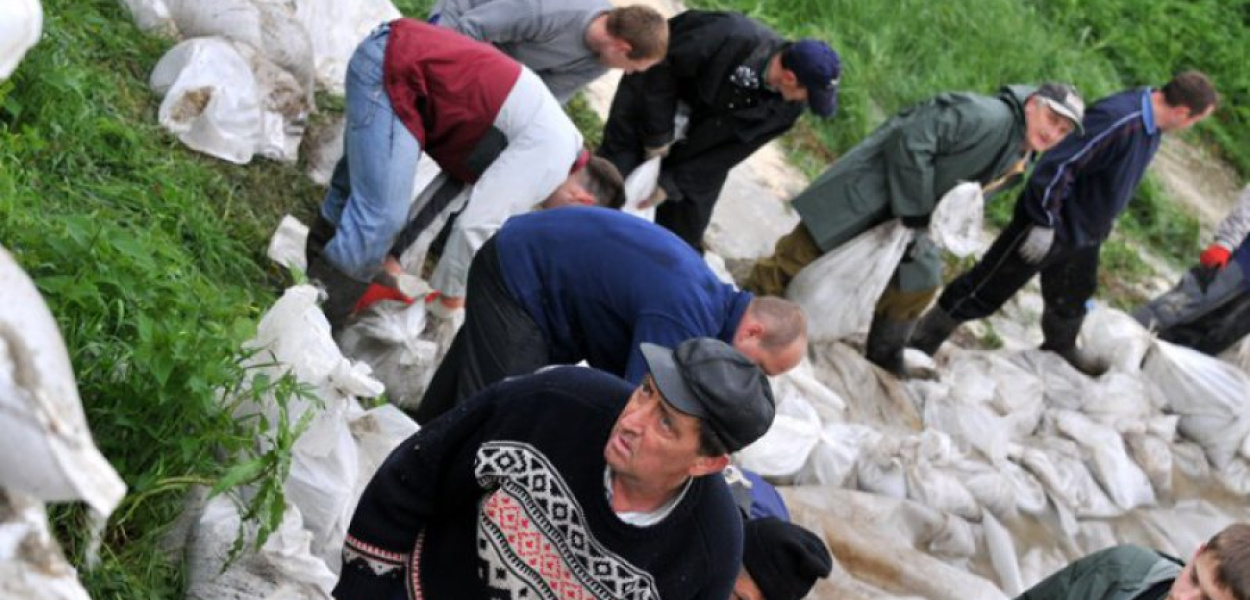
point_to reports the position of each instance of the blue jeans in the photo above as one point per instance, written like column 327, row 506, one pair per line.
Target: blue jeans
column 372, row 185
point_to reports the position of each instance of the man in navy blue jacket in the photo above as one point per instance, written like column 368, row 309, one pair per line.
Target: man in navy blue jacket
column 589, row 283
column 1064, row 213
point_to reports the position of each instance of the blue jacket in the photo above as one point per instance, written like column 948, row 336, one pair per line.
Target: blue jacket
column 600, row 282
column 1081, row 185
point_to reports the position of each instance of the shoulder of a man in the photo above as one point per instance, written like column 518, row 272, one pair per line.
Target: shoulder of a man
column 1118, row 567
column 716, row 517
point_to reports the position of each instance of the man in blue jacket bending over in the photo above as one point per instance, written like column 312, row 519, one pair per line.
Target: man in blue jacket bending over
column 593, row 284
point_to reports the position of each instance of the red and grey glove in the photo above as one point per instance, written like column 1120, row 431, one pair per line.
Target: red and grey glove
column 378, row 292
column 1215, row 256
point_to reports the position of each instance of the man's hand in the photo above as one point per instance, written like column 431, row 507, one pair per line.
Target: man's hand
column 1215, row 256
column 660, row 151
column 1037, row 245
column 656, row 197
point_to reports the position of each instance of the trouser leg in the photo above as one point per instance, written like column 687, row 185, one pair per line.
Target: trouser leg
column 1000, row 273
column 1067, row 285
column 498, row 339
column 794, row 251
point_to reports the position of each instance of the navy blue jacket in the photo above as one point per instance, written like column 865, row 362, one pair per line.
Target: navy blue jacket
column 600, row 282
column 1081, row 185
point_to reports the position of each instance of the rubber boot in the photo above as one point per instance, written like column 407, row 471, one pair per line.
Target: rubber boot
column 342, row 292
column 933, row 329
column 320, row 234
column 886, row 339
column 1060, row 337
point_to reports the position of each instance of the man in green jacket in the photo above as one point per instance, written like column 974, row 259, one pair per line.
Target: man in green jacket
column 1220, row 570
column 901, row 171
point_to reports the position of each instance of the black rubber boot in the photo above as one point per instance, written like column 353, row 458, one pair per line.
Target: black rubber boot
column 320, row 234
column 886, row 339
column 342, row 292
column 1060, row 337
column 933, row 329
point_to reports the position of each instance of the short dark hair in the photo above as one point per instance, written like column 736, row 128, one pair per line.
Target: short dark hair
column 1231, row 549
column 711, row 445
column 1193, row 90
column 784, row 321
column 644, row 29
column 604, row 182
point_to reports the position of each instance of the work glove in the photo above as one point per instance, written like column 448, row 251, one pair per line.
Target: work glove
column 383, row 287
column 655, row 151
column 1215, row 256
column 1037, row 245
column 435, row 308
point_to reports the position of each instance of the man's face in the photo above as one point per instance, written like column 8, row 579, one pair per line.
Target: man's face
column 771, row 362
column 653, row 442
column 745, row 588
column 1043, row 127
column 1197, row 580
column 572, row 192
column 1179, row 118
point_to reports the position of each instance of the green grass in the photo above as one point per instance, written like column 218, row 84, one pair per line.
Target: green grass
column 151, row 257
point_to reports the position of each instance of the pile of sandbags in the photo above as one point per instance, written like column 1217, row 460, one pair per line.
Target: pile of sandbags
column 241, row 81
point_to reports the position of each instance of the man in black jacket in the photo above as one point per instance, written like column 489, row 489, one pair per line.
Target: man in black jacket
column 743, row 85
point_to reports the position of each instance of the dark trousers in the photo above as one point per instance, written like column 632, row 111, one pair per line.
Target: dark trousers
column 1215, row 331
column 498, row 339
column 1069, row 277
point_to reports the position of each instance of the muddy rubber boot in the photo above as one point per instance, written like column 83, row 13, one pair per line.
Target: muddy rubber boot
column 933, row 329
column 1060, row 337
column 342, row 292
column 886, row 339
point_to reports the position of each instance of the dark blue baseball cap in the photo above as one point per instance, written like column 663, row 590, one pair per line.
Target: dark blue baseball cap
column 818, row 68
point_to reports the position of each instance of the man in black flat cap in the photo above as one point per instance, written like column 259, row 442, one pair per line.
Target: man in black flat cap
column 508, row 496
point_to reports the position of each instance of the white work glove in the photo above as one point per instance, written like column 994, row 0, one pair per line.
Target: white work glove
column 438, row 310
column 1037, row 245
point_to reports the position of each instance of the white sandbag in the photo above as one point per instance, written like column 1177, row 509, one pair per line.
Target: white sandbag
column 377, row 432
column 843, row 286
column 785, row 447
column 335, row 28
column 286, row 246
column 1002, row 555
column 388, row 338
column 1123, row 480
column 19, row 31
column 1058, row 465
column 938, row 489
column 833, row 461
column 1155, row 459
column 324, row 470
column 269, row 26
column 1119, row 400
column 31, row 563
column 283, row 568
column 880, row 470
column 152, row 16
column 639, row 186
column 827, row 403
column 1115, row 338
column 1211, row 396
column 211, row 101
column 46, row 451
column 284, row 107
column 972, row 425
column 956, row 222
column 870, row 396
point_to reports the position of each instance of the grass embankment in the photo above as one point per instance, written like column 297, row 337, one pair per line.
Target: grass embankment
column 151, row 258
column 897, row 53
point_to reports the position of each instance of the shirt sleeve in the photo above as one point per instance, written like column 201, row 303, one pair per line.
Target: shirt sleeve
column 1234, row 228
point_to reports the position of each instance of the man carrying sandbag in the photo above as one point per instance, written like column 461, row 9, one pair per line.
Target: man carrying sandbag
column 568, row 43
column 901, row 171
column 1065, row 212
column 1209, row 310
column 1220, row 570
column 485, row 119
column 743, row 85
column 594, row 284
